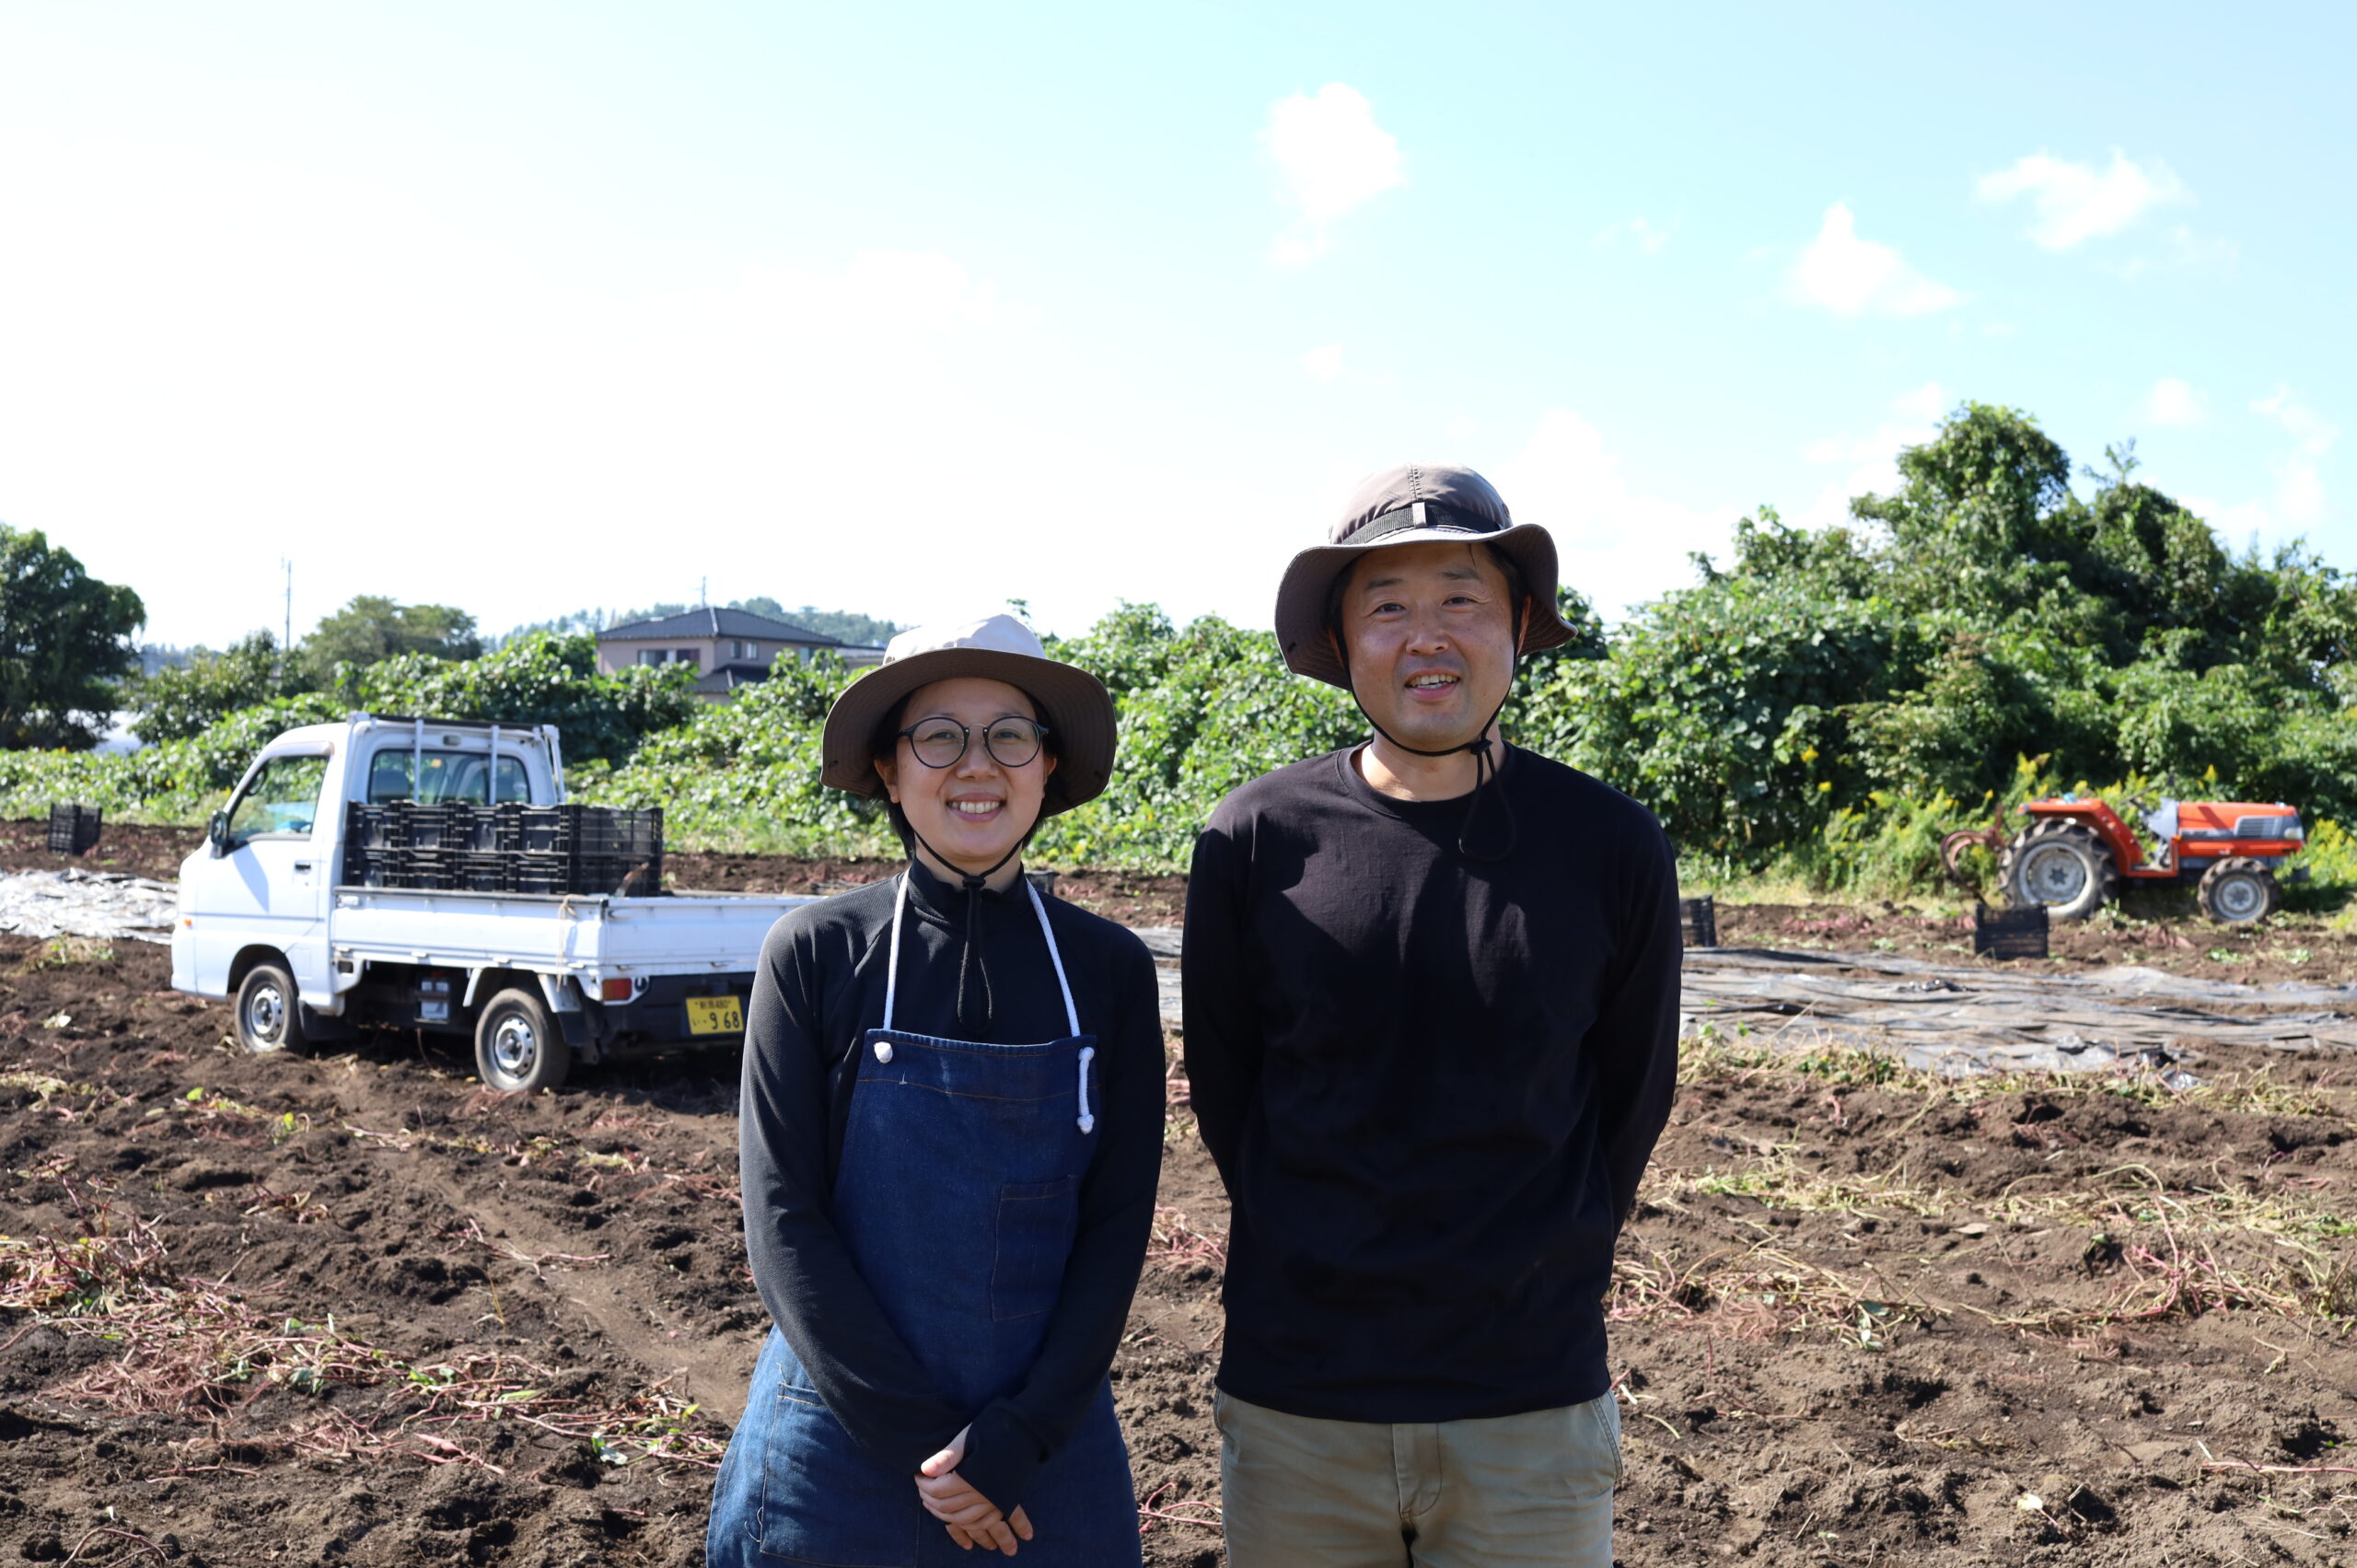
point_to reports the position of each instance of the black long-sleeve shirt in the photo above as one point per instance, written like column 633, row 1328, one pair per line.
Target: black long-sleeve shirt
column 1431, row 1084
column 820, row 988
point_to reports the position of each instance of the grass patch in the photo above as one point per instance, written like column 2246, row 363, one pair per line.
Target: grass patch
column 1757, row 1292
column 64, row 950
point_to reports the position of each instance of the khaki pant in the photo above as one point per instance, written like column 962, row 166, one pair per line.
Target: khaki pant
column 1298, row 1492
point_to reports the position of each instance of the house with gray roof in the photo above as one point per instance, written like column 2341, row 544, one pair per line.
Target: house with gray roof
column 727, row 648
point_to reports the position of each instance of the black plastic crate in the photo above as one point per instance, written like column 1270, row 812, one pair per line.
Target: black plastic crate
column 73, row 827
column 614, row 830
column 540, row 874
column 450, row 827
column 583, row 830
column 367, row 827
column 627, row 875
column 368, row 867
column 425, row 871
column 507, row 848
column 2009, row 933
column 540, row 829
column 474, row 872
column 1698, row 922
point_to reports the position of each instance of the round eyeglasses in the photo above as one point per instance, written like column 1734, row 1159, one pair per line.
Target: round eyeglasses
column 940, row 742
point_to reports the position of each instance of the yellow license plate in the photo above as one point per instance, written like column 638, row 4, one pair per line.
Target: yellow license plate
column 715, row 1015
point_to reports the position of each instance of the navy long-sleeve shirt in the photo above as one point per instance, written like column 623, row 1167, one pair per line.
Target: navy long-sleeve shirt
column 1431, row 1084
column 819, row 989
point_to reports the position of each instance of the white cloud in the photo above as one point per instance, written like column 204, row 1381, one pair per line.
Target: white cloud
column 2078, row 202
column 1324, row 363
column 202, row 354
column 2175, row 403
column 1871, row 460
column 1618, row 544
column 2298, row 503
column 1647, row 237
column 1850, row 276
column 2299, row 499
column 1331, row 157
column 2314, row 433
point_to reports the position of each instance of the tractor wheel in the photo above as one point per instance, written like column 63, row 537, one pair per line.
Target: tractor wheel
column 2239, row 890
column 2062, row 866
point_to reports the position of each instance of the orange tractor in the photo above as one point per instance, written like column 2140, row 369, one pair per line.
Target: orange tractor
column 2076, row 852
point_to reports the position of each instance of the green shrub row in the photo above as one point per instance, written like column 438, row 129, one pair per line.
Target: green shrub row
column 1826, row 705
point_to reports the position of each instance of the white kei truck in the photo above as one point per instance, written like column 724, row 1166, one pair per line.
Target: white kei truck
column 267, row 916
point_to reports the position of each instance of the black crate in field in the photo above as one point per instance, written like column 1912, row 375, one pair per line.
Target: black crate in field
column 2009, row 933
column 1698, row 922
column 73, row 828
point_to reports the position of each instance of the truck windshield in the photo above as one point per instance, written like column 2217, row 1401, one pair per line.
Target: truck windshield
column 281, row 802
column 449, row 775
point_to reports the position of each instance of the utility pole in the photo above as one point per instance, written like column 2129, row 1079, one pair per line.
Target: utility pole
column 704, row 592
column 288, row 566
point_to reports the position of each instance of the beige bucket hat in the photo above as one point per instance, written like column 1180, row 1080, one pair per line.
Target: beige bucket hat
column 1072, row 703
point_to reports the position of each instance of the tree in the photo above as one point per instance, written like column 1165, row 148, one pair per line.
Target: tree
column 179, row 704
column 1982, row 612
column 371, row 628
column 66, row 637
column 849, row 625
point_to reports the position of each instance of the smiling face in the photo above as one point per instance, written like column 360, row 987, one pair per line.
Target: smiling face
column 1428, row 632
column 977, row 809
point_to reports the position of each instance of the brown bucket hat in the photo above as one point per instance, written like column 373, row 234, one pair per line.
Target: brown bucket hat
column 1413, row 504
column 1072, row 703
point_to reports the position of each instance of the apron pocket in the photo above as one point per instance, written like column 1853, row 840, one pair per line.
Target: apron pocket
column 825, row 1502
column 1036, row 1222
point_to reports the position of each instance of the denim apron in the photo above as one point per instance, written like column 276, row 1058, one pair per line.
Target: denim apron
column 958, row 1195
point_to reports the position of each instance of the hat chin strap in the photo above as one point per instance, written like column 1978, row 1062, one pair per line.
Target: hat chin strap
column 977, row 1015
column 1485, row 767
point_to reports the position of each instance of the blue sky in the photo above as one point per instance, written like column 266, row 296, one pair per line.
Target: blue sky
column 913, row 309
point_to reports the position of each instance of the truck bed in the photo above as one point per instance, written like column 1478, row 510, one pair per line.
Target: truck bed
column 593, row 936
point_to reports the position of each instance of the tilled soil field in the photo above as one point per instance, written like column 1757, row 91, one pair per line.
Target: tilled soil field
column 352, row 1309
column 133, row 849
column 2163, row 930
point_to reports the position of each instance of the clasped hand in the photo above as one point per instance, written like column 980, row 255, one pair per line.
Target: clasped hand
column 971, row 1518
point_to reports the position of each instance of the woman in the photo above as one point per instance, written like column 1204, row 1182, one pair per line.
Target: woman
column 950, row 1134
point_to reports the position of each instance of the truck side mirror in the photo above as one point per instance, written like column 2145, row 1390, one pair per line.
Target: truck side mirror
column 217, row 833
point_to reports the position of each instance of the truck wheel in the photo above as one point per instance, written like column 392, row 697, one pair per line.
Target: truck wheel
column 2238, row 890
column 518, row 1047
column 269, row 1011
column 2061, row 864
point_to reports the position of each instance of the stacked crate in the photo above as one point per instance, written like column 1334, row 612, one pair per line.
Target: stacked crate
column 455, row 846
column 585, row 848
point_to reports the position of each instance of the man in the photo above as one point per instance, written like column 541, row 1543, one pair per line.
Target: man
column 1431, row 1025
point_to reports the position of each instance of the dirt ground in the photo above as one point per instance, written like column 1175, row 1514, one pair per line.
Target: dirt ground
column 2162, row 930
column 134, row 849
column 355, row 1308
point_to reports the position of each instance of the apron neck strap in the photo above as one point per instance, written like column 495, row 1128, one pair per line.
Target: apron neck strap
column 1071, row 1014
column 1055, row 955
column 892, row 963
